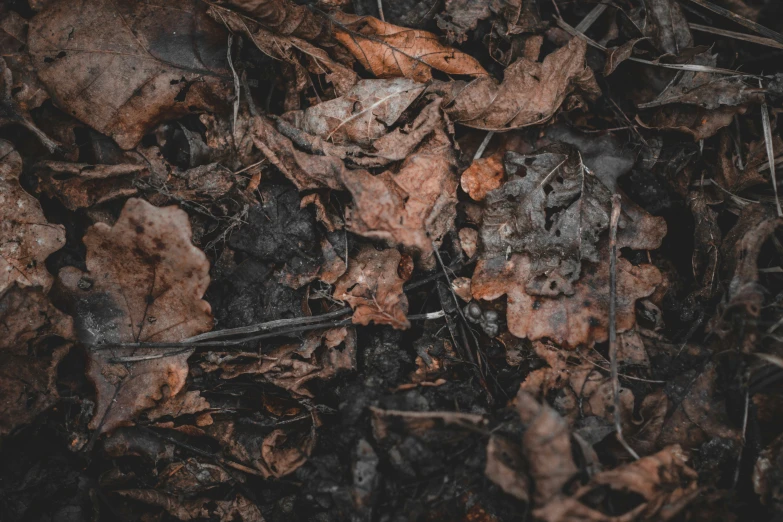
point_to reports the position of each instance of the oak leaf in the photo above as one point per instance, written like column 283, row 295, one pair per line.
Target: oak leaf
column 79, row 185
column 570, row 320
column 123, row 67
column 486, row 104
column 390, row 51
column 144, row 282
column 26, row 238
column 372, row 286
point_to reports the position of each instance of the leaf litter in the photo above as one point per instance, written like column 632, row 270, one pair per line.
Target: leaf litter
column 355, row 260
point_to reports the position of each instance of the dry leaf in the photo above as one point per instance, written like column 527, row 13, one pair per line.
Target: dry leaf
column 287, row 45
column 372, row 286
column 546, row 445
column 79, row 185
column 484, row 175
column 200, row 508
column 283, row 17
column 663, row 481
column 414, row 207
column 26, row 239
column 124, row 67
column 389, row 51
column 581, row 318
column 320, row 356
column 361, row 115
column 505, row 467
column 485, row 104
column 187, row 403
column 35, row 337
column 144, row 283
column 667, row 26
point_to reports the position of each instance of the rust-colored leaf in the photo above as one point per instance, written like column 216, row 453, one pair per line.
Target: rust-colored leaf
column 26, row 238
column 144, row 282
column 373, row 287
column 390, row 51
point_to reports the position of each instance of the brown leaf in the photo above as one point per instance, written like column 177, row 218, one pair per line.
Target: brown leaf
column 581, row 318
column 484, row 175
column 79, row 185
column 320, row 356
column 485, row 104
column 26, row 239
column 421, row 423
column 390, row 51
column 414, row 207
column 372, row 286
column 554, row 209
column 546, row 445
column 617, row 55
column 283, row 17
column 505, row 467
column 306, row 171
column 187, row 403
column 144, row 283
column 663, row 480
column 34, row 339
column 199, row 508
column 667, row 26
column 461, row 16
column 191, row 477
column 122, row 68
column 361, row 115
column 288, row 45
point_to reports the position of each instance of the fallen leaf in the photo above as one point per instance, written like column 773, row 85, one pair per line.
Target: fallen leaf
column 35, row 337
column 372, row 286
column 26, row 238
column 483, row 176
column 485, row 104
column 766, row 473
column 187, row 403
column 285, row 42
column 554, row 209
column 461, row 16
column 505, row 467
column 144, row 283
column 546, row 445
column 581, row 318
column 666, row 26
column 79, row 185
column 362, row 115
column 421, row 423
column 122, row 68
column 191, row 509
column 283, row 17
column 663, row 481
column 414, row 207
column 191, row 477
column 390, row 51
column 617, row 55
column 320, row 356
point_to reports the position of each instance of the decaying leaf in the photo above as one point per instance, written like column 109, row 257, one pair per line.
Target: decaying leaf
column 372, row 286
column 144, row 282
column 546, row 445
column 572, row 320
column 505, row 467
column 288, row 45
column 35, row 337
column 26, row 239
column 361, row 115
column 187, row 403
column 122, row 68
column 414, row 207
column 664, row 482
column 485, row 104
column 483, row 176
column 191, row 477
column 320, row 356
column 554, row 209
column 389, row 51
column 421, row 423
column 228, row 510
column 283, row 17
column 79, row 185
column 667, row 26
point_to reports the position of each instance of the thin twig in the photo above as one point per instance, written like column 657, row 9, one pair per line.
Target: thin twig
column 483, row 146
column 380, row 11
column 753, row 26
column 760, row 40
column 613, row 323
column 591, row 17
column 744, row 430
column 770, row 151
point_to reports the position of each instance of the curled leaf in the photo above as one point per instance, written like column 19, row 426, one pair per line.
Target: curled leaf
column 389, row 51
